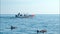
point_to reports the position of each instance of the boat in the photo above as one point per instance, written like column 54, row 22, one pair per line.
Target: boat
column 23, row 15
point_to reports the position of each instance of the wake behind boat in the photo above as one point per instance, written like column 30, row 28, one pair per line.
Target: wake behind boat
column 23, row 15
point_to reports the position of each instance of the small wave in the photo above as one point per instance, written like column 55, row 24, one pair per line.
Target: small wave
column 7, row 17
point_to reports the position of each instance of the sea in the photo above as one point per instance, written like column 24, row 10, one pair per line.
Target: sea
column 48, row 22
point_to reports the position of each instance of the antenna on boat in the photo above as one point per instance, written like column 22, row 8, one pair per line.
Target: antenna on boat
column 20, row 11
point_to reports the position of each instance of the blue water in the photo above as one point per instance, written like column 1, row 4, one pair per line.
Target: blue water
column 49, row 22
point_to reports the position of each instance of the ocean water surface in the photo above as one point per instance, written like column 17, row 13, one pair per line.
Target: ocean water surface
column 49, row 22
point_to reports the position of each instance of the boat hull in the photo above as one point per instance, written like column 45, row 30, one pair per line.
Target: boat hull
column 23, row 16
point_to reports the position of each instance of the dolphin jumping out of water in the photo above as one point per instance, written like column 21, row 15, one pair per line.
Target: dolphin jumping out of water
column 12, row 27
column 42, row 31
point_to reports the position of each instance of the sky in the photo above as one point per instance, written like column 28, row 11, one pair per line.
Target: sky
column 29, row 6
